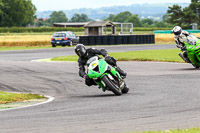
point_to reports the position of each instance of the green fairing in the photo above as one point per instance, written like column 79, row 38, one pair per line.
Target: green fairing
column 102, row 64
column 93, row 74
column 194, row 52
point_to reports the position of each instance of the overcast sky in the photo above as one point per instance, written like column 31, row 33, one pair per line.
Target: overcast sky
column 44, row 5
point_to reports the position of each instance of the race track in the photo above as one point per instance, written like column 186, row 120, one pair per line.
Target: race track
column 162, row 96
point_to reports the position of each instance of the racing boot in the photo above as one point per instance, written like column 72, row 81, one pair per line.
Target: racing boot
column 188, row 60
column 121, row 72
column 184, row 58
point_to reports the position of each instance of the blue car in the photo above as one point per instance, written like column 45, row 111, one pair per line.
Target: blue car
column 64, row 38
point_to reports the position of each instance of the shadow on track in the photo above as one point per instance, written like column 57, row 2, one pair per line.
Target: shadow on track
column 99, row 96
column 94, row 96
column 188, row 69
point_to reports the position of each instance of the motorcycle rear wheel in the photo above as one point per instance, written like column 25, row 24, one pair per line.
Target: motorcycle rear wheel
column 109, row 83
column 195, row 66
column 125, row 90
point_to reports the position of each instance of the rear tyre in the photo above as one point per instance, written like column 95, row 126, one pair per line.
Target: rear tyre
column 125, row 90
column 112, row 86
column 53, row 45
column 195, row 66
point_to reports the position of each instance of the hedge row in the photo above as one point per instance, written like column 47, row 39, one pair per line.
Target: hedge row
column 149, row 29
column 39, row 29
column 54, row 29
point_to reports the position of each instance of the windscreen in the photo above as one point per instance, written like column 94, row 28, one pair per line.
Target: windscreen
column 91, row 60
column 59, row 35
column 192, row 39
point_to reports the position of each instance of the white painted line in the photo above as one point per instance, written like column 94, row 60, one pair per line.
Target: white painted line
column 50, row 99
column 42, row 60
column 49, row 60
column 161, row 62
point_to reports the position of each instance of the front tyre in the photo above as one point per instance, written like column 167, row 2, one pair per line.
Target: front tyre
column 112, row 86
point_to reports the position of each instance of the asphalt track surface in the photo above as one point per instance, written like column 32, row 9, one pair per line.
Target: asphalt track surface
column 162, row 96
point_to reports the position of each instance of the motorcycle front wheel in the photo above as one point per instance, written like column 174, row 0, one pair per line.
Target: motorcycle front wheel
column 112, row 86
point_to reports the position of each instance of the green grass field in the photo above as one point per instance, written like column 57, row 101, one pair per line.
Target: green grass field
column 192, row 130
column 24, row 48
column 163, row 55
column 6, row 97
column 43, row 38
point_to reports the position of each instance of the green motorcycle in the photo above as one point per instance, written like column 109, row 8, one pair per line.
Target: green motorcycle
column 106, row 76
column 193, row 51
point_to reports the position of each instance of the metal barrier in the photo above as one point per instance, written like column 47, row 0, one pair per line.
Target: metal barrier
column 117, row 39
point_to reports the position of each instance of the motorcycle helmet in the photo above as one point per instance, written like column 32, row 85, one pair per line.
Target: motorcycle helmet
column 80, row 50
column 177, row 30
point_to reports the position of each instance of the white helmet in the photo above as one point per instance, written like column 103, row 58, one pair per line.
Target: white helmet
column 177, row 30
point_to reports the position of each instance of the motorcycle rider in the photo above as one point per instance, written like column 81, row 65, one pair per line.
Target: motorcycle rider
column 85, row 54
column 180, row 37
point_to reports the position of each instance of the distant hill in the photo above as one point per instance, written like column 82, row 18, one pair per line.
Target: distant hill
column 154, row 11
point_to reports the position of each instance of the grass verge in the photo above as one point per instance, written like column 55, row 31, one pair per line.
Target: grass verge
column 6, row 97
column 163, row 55
column 43, row 38
column 25, row 47
column 191, row 130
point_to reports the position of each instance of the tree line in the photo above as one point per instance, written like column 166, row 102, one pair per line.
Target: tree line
column 20, row 13
column 176, row 15
column 60, row 17
column 16, row 13
column 128, row 17
column 123, row 17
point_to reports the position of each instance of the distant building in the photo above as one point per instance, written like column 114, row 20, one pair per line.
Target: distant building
column 194, row 26
column 41, row 19
column 100, row 28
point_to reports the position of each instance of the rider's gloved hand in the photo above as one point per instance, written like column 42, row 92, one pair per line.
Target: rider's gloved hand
column 110, row 60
